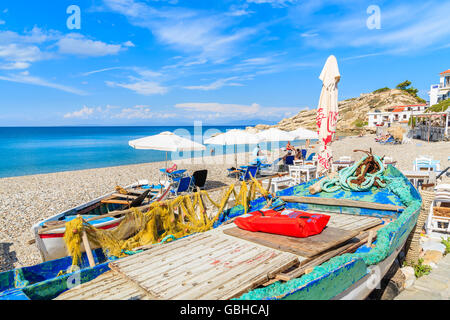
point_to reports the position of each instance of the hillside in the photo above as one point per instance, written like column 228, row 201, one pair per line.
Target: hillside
column 352, row 112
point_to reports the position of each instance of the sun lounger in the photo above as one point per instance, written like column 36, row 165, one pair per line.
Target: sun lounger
column 245, row 175
column 270, row 169
column 199, row 178
column 183, row 186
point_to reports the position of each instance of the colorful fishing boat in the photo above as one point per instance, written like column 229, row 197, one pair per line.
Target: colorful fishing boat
column 343, row 262
column 103, row 213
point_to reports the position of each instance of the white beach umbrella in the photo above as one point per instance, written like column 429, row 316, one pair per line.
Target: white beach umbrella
column 274, row 135
column 303, row 134
column 234, row 137
column 327, row 112
column 166, row 141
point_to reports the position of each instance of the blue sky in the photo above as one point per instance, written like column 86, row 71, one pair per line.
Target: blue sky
column 159, row 62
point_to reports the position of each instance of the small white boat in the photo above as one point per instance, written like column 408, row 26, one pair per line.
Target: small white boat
column 49, row 233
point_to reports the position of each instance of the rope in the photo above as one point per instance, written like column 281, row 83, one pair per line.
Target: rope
column 356, row 177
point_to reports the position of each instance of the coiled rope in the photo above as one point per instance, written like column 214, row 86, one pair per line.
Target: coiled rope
column 362, row 176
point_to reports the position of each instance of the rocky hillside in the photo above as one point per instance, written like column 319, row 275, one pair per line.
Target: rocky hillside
column 352, row 112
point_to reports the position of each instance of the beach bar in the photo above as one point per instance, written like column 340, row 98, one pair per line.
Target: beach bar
column 433, row 126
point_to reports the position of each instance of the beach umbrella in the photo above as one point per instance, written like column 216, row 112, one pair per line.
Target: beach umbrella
column 234, row 137
column 274, row 135
column 168, row 142
column 327, row 113
column 303, row 134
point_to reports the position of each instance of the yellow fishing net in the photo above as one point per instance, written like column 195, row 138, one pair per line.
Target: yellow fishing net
column 173, row 218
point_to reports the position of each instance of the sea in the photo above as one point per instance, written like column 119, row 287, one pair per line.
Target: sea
column 36, row 150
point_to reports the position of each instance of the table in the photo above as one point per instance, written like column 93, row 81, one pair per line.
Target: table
column 415, row 176
column 309, row 170
column 281, row 181
column 341, row 164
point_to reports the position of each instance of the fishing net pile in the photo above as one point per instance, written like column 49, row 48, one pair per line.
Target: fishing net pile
column 160, row 222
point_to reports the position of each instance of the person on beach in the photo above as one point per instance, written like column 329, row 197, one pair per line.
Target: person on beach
column 298, row 155
column 290, row 147
column 257, row 151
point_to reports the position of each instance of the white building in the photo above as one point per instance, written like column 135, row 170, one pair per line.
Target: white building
column 395, row 115
column 441, row 91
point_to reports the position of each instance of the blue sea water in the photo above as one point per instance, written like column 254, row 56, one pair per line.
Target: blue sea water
column 35, row 150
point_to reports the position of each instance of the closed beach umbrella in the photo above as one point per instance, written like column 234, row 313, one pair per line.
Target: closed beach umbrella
column 234, row 137
column 166, row 141
column 327, row 113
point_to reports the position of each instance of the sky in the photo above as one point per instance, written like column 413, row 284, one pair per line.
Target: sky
column 173, row 62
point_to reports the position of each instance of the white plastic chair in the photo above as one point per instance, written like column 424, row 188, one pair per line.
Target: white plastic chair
column 438, row 223
column 295, row 174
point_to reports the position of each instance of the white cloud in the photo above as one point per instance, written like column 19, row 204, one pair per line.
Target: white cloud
column 2, row 22
column 25, row 78
column 215, row 110
column 114, row 112
column 76, row 44
column 20, row 53
column 15, row 66
column 129, row 44
column 141, row 87
column 274, row 3
column 211, row 36
column 220, row 108
column 85, row 112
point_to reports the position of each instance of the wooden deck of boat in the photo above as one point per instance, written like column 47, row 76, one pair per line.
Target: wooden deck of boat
column 211, row 265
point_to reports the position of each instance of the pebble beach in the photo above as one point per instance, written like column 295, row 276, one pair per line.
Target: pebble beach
column 27, row 200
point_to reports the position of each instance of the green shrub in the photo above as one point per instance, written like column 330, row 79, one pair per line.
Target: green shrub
column 360, row 123
column 440, row 107
column 381, row 90
column 405, row 86
column 446, row 243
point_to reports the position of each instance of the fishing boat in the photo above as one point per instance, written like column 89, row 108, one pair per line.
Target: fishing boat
column 366, row 231
column 102, row 213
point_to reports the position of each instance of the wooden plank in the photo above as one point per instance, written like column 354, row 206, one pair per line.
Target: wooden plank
column 124, row 196
column 210, row 275
column 245, row 266
column 160, row 249
column 124, row 202
column 318, row 261
column 306, row 247
column 253, row 279
column 167, row 254
column 363, row 225
column 342, row 203
column 177, row 259
column 191, row 273
column 93, row 288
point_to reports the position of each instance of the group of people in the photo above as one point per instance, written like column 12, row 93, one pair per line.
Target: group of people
column 290, row 150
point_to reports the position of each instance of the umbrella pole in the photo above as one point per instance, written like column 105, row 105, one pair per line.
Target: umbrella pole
column 166, row 161
column 235, row 156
